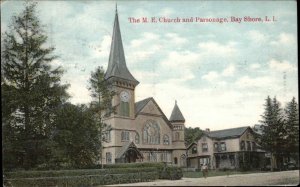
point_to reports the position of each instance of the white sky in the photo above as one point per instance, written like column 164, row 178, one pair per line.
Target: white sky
column 220, row 74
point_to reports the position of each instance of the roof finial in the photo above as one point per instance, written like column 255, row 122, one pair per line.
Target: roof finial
column 116, row 8
column 175, row 102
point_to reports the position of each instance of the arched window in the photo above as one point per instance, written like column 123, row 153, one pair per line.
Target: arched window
column 151, row 133
column 177, row 136
column 166, row 139
column 108, row 158
column 137, row 138
column 124, row 109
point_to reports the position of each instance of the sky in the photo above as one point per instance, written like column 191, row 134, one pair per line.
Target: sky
column 219, row 73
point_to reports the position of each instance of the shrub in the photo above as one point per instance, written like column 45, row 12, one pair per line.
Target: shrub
column 171, row 173
column 112, row 174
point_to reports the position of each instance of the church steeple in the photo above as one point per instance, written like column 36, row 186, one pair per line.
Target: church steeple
column 117, row 64
column 176, row 115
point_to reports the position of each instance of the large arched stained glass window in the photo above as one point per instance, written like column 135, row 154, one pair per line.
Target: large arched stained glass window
column 151, row 133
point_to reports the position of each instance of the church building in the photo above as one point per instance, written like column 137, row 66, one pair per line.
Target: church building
column 140, row 131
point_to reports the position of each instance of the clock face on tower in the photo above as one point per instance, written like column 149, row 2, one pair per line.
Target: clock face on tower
column 125, row 96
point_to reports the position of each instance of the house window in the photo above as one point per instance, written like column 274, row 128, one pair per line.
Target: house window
column 204, row 147
column 175, row 160
column 248, row 146
column 151, row 134
column 216, row 146
column 253, row 146
column 166, row 140
column 223, row 146
column 194, row 150
column 177, row 136
column 125, row 136
column 108, row 158
column 242, row 145
column 124, row 109
column 137, row 138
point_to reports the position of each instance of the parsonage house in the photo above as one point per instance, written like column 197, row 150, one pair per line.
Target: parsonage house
column 229, row 148
column 140, row 131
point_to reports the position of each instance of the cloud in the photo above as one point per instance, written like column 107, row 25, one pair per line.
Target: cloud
column 284, row 39
column 212, row 48
column 166, row 12
column 174, row 38
column 229, row 71
column 182, row 59
column 281, row 66
column 257, row 82
column 255, row 66
column 256, row 36
column 211, row 76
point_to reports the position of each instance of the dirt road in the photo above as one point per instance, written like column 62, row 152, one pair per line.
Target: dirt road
column 255, row 179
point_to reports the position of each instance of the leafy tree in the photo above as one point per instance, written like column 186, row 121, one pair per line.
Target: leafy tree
column 75, row 137
column 292, row 128
column 31, row 90
column 192, row 134
column 102, row 93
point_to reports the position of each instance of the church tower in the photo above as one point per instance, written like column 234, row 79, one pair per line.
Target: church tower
column 118, row 75
column 177, row 120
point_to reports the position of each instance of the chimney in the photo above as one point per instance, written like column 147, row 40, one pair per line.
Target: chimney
column 207, row 130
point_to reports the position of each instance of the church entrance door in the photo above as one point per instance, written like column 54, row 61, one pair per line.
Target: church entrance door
column 131, row 156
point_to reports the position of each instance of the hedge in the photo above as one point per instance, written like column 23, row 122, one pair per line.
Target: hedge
column 112, row 174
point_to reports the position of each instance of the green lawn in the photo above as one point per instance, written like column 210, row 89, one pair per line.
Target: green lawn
column 211, row 173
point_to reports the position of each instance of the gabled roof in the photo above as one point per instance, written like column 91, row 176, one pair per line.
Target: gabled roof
column 189, row 146
column 176, row 115
column 141, row 104
column 117, row 63
column 227, row 133
column 129, row 145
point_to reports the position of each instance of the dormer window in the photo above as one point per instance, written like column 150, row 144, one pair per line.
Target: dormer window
column 194, row 150
column 242, row 145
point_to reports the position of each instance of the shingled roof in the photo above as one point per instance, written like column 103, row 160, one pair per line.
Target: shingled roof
column 227, row 133
column 125, row 148
column 176, row 115
column 140, row 104
column 117, row 64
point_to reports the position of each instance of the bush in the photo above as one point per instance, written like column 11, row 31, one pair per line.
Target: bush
column 112, row 174
column 171, row 173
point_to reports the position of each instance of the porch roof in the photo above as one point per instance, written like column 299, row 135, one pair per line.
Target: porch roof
column 129, row 145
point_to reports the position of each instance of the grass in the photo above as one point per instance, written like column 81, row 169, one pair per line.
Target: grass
column 212, row 173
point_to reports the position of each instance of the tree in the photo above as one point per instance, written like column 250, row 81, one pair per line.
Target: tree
column 272, row 138
column 75, row 137
column 292, row 128
column 31, row 89
column 192, row 134
column 102, row 94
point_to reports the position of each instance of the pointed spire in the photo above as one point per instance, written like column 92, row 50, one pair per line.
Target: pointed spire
column 176, row 115
column 117, row 63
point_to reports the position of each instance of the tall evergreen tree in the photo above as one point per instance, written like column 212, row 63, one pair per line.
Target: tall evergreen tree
column 31, row 89
column 101, row 105
column 273, row 131
column 292, row 128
